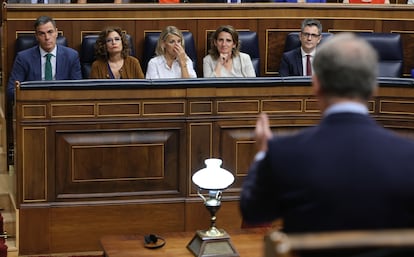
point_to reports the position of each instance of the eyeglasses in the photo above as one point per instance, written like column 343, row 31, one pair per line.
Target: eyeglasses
column 306, row 35
column 112, row 40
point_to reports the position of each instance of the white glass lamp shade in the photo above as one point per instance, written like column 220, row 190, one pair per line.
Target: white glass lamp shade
column 213, row 177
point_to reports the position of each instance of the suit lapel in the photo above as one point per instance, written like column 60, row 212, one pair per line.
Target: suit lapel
column 37, row 59
column 298, row 62
column 58, row 64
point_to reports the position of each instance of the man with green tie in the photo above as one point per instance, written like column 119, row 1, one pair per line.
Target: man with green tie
column 45, row 61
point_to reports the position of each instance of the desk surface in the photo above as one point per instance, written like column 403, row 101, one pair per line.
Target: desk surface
column 248, row 243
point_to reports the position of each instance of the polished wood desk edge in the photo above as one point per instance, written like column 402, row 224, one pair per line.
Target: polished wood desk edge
column 232, row 232
column 343, row 239
column 244, row 240
column 209, row 6
column 191, row 83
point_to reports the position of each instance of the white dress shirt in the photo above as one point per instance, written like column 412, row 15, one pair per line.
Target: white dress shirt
column 159, row 69
column 52, row 61
column 312, row 55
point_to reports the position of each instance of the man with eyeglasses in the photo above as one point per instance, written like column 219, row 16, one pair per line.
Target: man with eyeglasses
column 298, row 62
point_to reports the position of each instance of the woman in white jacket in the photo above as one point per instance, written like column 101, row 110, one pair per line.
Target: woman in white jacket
column 224, row 58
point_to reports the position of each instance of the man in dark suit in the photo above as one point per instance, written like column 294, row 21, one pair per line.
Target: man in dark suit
column 30, row 64
column 298, row 62
column 346, row 173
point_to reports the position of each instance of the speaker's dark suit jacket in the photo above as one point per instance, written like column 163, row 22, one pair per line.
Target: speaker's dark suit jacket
column 345, row 173
column 291, row 64
column 27, row 66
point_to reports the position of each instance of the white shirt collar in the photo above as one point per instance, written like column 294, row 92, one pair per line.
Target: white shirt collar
column 312, row 54
column 43, row 52
column 349, row 106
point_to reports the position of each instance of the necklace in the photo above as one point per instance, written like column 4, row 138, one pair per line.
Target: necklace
column 116, row 67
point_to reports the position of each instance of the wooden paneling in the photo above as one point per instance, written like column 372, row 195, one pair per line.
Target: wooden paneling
column 34, row 164
column 67, row 224
column 82, row 175
column 200, row 144
column 35, row 219
column 117, row 161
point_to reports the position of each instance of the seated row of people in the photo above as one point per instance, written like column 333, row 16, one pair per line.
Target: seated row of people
column 171, row 61
column 113, row 60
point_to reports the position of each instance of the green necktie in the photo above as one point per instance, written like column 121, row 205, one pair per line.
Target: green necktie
column 48, row 67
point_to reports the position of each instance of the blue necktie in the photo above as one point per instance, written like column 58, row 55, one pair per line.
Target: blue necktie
column 233, row 1
column 48, row 67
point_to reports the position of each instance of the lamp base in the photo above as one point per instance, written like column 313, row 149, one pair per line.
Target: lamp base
column 203, row 244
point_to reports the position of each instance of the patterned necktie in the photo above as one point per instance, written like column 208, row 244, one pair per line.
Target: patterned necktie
column 308, row 66
column 48, row 67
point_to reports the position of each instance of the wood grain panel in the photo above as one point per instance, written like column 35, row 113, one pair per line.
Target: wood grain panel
column 238, row 149
column 275, row 45
column 136, row 218
column 34, row 164
column 36, row 219
column 197, row 108
column 372, row 106
column 119, row 109
column 311, row 105
column 407, row 37
column 245, row 152
column 396, row 107
column 163, row 108
column 238, row 107
column 117, row 162
column 282, row 105
column 34, row 111
column 132, row 161
column 75, row 110
column 200, row 148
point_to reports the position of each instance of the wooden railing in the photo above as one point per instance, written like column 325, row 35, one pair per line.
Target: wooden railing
column 379, row 242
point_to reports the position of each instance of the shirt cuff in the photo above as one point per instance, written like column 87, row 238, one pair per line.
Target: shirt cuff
column 260, row 156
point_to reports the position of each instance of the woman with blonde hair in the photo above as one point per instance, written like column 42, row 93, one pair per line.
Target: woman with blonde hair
column 171, row 60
